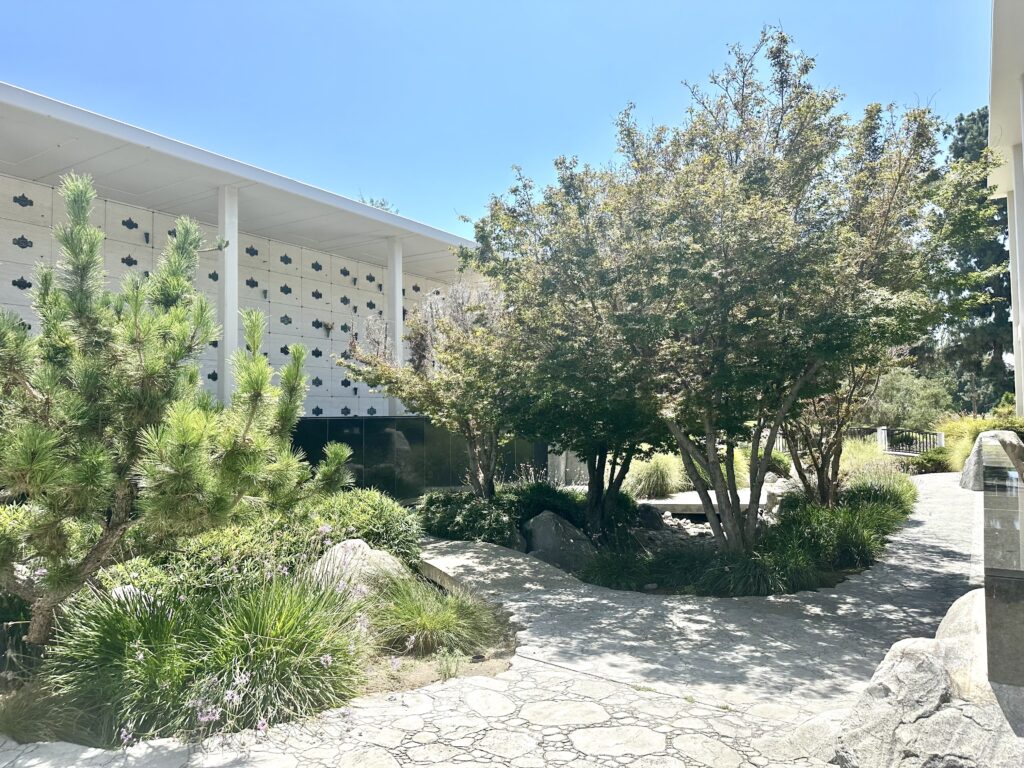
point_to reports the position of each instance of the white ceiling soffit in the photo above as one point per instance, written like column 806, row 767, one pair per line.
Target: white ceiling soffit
column 41, row 139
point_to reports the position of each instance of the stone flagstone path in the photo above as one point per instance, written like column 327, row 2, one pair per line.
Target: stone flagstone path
column 604, row 678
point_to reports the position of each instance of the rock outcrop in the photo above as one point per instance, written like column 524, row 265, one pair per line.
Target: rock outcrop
column 354, row 563
column 556, row 541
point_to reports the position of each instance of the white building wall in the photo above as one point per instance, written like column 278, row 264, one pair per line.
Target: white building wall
column 319, row 299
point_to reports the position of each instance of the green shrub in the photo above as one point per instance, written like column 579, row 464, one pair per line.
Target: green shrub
column 369, row 515
column 882, row 484
column 862, row 452
column 529, row 499
column 32, row 713
column 657, row 478
column 463, row 516
column 122, row 663
column 410, row 615
column 134, row 666
column 287, row 650
column 737, row 575
column 618, row 569
column 934, row 460
column 858, row 539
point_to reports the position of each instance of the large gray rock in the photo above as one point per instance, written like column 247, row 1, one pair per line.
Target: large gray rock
column 353, row 563
column 927, row 708
column 973, row 475
column 556, row 541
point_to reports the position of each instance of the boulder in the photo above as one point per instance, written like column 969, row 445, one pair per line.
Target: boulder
column 912, row 716
column 355, row 564
column 556, row 541
column 650, row 517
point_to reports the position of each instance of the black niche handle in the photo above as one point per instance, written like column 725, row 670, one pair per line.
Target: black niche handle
column 344, row 328
column 129, row 223
column 380, row 287
column 344, row 272
column 252, row 251
column 21, row 283
column 251, row 283
column 370, row 278
column 317, row 411
column 316, row 266
column 317, row 381
column 346, row 383
column 214, row 276
column 415, row 288
column 214, row 343
column 285, row 320
column 346, row 411
column 22, row 242
column 345, row 300
column 371, row 411
column 370, row 305
column 145, row 236
column 129, row 261
column 317, row 295
column 285, row 259
column 23, row 200
column 316, row 352
column 318, row 324
column 285, row 289
column 212, row 376
column 172, row 232
column 285, row 350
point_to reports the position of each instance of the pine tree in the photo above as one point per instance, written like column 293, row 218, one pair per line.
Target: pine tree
column 106, row 430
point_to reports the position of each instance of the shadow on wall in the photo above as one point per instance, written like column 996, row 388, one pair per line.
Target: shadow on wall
column 405, row 455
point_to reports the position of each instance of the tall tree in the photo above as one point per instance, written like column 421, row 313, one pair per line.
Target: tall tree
column 563, row 286
column 977, row 340
column 105, row 426
column 776, row 241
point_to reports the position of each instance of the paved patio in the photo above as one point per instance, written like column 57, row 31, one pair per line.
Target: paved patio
column 606, row 678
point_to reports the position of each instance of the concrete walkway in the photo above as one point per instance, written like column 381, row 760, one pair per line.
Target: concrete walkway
column 606, row 678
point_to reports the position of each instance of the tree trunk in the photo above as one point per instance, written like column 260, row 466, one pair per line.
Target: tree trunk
column 596, row 464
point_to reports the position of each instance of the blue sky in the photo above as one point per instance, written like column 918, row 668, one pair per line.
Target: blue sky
column 429, row 104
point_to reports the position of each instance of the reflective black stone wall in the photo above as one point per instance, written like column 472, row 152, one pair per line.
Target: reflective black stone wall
column 406, row 455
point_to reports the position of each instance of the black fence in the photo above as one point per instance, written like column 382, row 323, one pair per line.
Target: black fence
column 914, row 441
column 406, row 455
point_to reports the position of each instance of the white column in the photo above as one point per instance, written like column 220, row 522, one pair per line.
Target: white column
column 227, row 229
column 1015, row 216
column 1015, row 318
column 396, row 320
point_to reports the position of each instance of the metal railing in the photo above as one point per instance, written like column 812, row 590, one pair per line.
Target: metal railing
column 896, row 440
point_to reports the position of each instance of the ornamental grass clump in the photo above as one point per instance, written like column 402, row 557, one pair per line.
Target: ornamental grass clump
column 128, row 666
column 656, row 478
column 288, row 650
column 409, row 615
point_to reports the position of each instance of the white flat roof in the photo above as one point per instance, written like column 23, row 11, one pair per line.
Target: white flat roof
column 1004, row 107
column 41, row 139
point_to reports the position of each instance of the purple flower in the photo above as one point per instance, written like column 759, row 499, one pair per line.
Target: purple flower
column 207, row 714
column 325, row 529
column 181, row 598
column 261, row 725
column 362, row 622
column 326, row 660
column 282, row 569
column 410, row 642
column 232, row 697
column 126, row 736
column 395, row 663
column 242, row 679
column 140, row 656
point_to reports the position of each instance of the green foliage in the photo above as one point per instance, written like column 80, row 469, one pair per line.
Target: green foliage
column 134, row 666
column 863, row 453
column 905, row 399
column 880, row 485
column 656, row 478
column 110, row 434
column 409, row 615
column 464, row 516
column 934, row 460
column 807, row 547
column 369, row 515
column 962, row 431
column 288, row 650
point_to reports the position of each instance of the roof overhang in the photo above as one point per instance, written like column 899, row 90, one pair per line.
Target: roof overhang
column 1004, row 101
column 41, row 139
